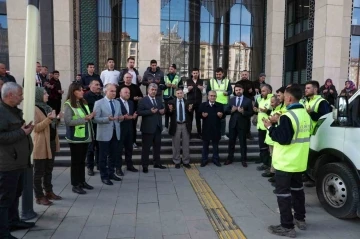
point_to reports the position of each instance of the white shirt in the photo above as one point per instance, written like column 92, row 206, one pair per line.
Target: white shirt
column 110, row 77
column 109, row 104
column 125, row 104
column 134, row 80
column 38, row 80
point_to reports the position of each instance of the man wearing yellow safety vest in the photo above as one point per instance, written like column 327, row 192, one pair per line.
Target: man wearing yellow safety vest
column 316, row 107
column 172, row 81
column 290, row 156
column 223, row 90
column 263, row 109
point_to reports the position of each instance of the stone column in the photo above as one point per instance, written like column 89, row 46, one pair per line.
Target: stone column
column 332, row 41
column 149, row 33
column 64, row 42
column 275, row 15
column 16, row 16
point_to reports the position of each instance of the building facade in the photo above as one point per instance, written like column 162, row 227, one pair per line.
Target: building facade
column 292, row 41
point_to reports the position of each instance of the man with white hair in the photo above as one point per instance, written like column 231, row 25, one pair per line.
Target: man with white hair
column 15, row 150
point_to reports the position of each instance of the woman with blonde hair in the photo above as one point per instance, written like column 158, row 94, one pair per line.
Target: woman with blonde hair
column 46, row 143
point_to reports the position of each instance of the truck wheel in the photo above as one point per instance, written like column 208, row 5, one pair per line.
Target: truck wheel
column 337, row 190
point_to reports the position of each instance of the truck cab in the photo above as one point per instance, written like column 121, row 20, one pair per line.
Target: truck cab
column 334, row 158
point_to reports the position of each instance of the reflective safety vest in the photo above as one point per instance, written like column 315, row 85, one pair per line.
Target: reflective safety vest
column 263, row 103
column 220, row 89
column 294, row 157
column 170, row 91
column 281, row 109
column 79, row 133
column 313, row 104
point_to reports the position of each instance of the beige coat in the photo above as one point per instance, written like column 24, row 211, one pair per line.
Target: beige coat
column 41, row 136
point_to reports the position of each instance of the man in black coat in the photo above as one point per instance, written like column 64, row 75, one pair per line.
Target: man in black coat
column 93, row 95
column 240, row 109
column 126, row 129
column 151, row 109
column 180, row 128
column 194, row 97
column 211, row 114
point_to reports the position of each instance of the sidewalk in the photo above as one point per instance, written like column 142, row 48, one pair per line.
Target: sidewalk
column 163, row 205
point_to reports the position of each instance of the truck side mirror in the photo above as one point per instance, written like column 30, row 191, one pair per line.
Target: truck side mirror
column 341, row 113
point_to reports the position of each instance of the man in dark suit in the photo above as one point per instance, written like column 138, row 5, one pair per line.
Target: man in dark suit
column 240, row 109
column 180, row 128
column 211, row 113
column 151, row 109
column 127, row 110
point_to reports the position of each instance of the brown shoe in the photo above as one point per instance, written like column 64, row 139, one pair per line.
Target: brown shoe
column 52, row 196
column 43, row 201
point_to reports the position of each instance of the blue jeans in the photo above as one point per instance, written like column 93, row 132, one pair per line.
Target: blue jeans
column 109, row 152
column 205, row 150
column 11, row 186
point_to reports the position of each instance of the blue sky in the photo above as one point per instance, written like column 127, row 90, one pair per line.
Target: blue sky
column 179, row 13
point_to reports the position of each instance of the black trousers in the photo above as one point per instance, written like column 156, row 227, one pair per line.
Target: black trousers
column 78, row 155
column 93, row 152
column 134, row 131
column 290, row 193
column 55, row 105
column 149, row 140
column 167, row 116
column 234, row 133
column 11, row 187
column 215, row 151
column 43, row 173
column 197, row 118
column 264, row 148
column 109, row 154
column 126, row 142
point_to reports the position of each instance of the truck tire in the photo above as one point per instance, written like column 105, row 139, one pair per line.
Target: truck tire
column 337, row 190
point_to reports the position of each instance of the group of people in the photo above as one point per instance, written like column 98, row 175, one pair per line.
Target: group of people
column 101, row 111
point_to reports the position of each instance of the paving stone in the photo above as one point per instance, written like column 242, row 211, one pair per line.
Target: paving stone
column 165, row 188
column 148, row 230
column 169, row 202
column 100, row 232
column 201, row 229
column 173, row 223
column 148, row 213
column 71, row 227
column 126, row 204
column 185, row 193
column 185, row 236
column 163, row 177
column 193, row 210
column 100, row 216
column 41, row 234
column 147, row 195
column 143, row 184
column 122, row 225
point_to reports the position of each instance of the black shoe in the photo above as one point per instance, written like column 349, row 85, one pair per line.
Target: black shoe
column 258, row 161
column 90, row 172
column 9, row 236
column 78, row 189
column 305, row 178
column 107, row 182
column 217, row 163
column 186, row 165
column 228, row 162
column 119, row 172
column 115, row 178
column 203, row 164
column 244, row 164
column 262, row 167
column 274, row 191
column 273, row 184
column 177, row 165
column 20, row 225
column 249, row 136
column 87, row 186
column 132, row 169
column 267, row 174
column 272, row 179
column 145, row 170
column 159, row 166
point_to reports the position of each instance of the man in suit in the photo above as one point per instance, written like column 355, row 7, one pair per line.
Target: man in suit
column 108, row 117
column 211, row 113
column 151, row 109
column 127, row 110
column 240, row 109
column 180, row 128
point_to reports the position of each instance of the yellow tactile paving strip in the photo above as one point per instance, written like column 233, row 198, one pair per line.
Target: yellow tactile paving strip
column 219, row 217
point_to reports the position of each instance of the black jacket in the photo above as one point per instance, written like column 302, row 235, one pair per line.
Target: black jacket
column 134, row 91
column 257, row 84
column 330, row 97
column 126, row 125
column 86, row 79
column 237, row 119
column 90, row 98
column 150, row 120
column 173, row 116
column 194, row 96
column 8, row 78
column 126, row 70
column 154, row 77
column 211, row 128
column 247, row 84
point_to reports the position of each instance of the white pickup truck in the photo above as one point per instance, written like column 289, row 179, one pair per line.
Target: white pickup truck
column 334, row 158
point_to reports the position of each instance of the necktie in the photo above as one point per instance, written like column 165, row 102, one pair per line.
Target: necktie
column 238, row 102
column 126, row 106
column 154, row 103
column 112, row 108
column 181, row 112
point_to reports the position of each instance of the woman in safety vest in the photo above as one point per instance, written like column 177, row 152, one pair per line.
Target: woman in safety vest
column 79, row 134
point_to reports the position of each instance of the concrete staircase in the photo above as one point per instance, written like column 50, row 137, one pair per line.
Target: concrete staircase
column 63, row 157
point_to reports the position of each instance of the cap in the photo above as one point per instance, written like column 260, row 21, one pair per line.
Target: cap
column 173, row 66
column 262, row 74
